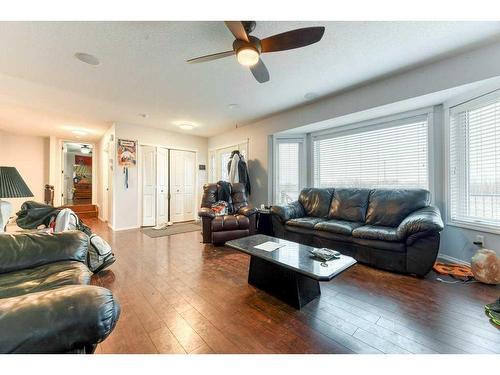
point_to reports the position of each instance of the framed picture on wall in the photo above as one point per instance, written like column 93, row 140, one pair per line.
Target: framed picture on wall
column 127, row 153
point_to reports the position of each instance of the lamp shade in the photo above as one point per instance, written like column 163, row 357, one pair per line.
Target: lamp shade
column 12, row 185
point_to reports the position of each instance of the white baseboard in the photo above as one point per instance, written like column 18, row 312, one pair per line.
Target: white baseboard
column 124, row 228
column 452, row 259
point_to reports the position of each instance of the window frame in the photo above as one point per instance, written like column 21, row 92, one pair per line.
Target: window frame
column 467, row 104
column 215, row 167
column 301, row 140
column 382, row 123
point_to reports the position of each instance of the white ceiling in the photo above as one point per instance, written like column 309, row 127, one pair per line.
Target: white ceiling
column 45, row 90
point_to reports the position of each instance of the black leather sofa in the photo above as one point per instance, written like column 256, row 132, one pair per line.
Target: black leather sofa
column 392, row 229
column 46, row 304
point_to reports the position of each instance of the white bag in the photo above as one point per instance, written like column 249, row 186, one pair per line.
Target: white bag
column 100, row 254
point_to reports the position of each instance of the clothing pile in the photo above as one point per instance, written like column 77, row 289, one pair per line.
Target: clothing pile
column 34, row 215
column 238, row 170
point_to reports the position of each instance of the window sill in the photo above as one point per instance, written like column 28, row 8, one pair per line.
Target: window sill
column 475, row 226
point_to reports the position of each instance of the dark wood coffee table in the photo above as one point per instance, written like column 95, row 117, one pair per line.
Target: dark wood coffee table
column 290, row 272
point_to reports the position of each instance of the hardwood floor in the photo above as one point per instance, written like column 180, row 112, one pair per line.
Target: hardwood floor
column 180, row 296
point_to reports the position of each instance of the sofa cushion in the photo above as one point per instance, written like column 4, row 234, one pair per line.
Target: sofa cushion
column 304, row 222
column 316, row 202
column 349, row 204
column 389, row 207
column 41, row 278
column 230, row 222
column 375, row 232
column 337, row 226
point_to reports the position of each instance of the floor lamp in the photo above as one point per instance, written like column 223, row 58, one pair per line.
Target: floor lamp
column 11, row 186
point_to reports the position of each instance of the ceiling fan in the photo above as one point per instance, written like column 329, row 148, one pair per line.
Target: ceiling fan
column 248, row 48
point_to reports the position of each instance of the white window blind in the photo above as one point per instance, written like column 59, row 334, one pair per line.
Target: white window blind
column 475, row 162
column 392, row 154
column 288, row 171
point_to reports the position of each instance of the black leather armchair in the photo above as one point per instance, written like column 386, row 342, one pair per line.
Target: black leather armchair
column 46, row 305
column 219, row 229
column 392, row 229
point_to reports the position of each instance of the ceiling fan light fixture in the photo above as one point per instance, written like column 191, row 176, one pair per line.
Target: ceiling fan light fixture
column 85, row 150
column 247, row 56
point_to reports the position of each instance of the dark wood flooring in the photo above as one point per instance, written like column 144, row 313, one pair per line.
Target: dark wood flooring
column 180, row 296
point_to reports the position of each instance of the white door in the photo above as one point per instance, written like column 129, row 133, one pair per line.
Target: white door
column 182, row 185
column 148, row 186
column 161, row 186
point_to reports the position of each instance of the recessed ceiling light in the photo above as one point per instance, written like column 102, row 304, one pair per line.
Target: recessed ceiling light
column 186, row 127
column 79, row 132
column 87, row 58
column 232, row 106
column 310, row 96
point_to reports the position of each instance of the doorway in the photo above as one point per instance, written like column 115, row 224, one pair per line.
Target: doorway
column 77, row 173
column 168, row 185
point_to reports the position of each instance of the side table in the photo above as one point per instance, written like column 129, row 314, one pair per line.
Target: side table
column 264, row 222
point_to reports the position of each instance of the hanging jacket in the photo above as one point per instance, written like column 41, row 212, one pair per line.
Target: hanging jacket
column 243, row 175
column 233, row 169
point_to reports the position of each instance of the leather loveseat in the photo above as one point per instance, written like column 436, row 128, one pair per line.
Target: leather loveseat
column 392, row 229
column 241, row 222
column 46, row 304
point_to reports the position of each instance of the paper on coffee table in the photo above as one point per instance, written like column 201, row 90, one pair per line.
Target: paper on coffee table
column 269, row 246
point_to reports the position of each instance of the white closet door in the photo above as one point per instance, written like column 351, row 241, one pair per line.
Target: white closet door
column 148, row 186
column 182, row 183
column 162, row 185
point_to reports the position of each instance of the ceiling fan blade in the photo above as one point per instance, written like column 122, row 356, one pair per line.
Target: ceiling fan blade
column 213, row 56
column 260, row 72
column 292, row 39
column 237, row 29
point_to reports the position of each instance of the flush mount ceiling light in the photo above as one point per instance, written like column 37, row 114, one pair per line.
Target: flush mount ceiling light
column 310, row 96
column 87, row 58
column 232, row 106
column 186, row 126
column 85, row 150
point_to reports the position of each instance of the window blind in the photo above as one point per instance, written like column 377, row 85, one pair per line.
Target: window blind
column 392, row 154
column 288, row 177
column 475, row 162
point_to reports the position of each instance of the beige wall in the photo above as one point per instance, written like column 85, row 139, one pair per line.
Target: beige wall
column 127, row 212
column 30, row 155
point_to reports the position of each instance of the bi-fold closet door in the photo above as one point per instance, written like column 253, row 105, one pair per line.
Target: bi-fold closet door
column 182, row 185
column 154, row 185
column 157, row 173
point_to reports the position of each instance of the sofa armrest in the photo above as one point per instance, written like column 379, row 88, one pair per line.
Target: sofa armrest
column 206, row 212
column 423, row 222
column 291, row 211
column 57, row 321
column 28, row 250
column 247, row 211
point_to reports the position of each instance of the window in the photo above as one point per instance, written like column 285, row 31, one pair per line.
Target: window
column 289, row 168
column 386, row 154
column 475, row 162
column 219, row 160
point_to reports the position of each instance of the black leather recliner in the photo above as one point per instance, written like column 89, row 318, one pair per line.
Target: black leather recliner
column 46, row 304
column 219, row 229
column 392, row 229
